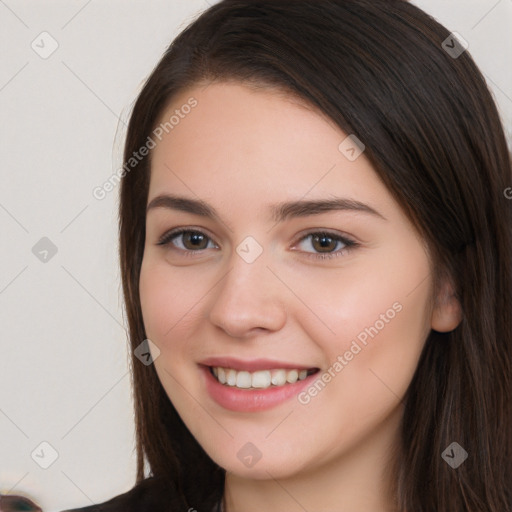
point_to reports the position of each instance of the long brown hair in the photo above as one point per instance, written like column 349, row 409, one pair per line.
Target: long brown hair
column 379, row 70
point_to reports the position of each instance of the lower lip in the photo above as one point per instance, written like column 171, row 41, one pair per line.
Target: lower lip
column 251, row 400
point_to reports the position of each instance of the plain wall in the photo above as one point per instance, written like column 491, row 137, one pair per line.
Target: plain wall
column 64, row 362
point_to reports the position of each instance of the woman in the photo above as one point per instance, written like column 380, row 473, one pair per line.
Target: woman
column 315, row 245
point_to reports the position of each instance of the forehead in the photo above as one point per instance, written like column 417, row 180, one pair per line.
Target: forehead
column 248, row 117
column 238, row 143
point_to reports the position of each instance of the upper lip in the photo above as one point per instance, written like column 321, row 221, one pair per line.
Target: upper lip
column 252, row 365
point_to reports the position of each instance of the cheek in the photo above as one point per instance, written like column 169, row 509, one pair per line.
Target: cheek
column 370, row 360
column 384, row 295
column 375, row 320
column 379, row 317
column 170, row 308
column 340, row 307
column 169, row 303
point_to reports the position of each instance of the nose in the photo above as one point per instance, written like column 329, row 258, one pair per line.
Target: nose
column 249, row 299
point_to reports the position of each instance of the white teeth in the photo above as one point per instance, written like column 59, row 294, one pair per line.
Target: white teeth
column 243, row 380
column 292, row 376
column 261, row 379
column 279, row 377
column 231, row 377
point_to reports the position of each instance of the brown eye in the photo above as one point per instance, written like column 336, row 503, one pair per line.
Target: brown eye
column 186, row 240
column 325, row 245
column 194, row 240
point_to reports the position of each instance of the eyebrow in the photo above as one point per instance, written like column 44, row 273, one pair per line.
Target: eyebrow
column 279, row 212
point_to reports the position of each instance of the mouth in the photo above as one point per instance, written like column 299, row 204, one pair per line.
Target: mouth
column 261, row 379
column 254, row 385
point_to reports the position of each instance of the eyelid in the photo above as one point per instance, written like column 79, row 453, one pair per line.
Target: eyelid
column 324, row 231
column 168, row 235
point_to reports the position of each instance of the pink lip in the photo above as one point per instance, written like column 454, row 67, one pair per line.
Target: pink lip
column 253, row 365
column 251, row 400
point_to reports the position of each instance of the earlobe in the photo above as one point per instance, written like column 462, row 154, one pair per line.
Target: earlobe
column 447, row 312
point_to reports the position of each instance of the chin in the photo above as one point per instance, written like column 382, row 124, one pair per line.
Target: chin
column 279, row 466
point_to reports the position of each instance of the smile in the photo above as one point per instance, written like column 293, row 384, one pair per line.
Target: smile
column 261, row 379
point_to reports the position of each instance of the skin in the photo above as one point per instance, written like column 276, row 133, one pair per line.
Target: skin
column 240, row 150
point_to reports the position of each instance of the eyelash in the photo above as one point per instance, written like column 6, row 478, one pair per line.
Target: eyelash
column 349, row 243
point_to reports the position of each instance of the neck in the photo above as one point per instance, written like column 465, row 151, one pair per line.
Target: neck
column 359, row 480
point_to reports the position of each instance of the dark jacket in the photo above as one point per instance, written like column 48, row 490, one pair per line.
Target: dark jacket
column 147, row 496
column 150, row 495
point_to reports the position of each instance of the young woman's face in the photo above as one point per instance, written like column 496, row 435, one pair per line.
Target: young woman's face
column 295, row 264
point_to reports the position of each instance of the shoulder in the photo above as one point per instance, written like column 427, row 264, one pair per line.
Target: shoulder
column 149, row 495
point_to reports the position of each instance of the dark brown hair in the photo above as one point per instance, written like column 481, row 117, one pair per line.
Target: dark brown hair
column 433, row 134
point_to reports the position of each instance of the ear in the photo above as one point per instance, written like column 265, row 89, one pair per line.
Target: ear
column 447, row 311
